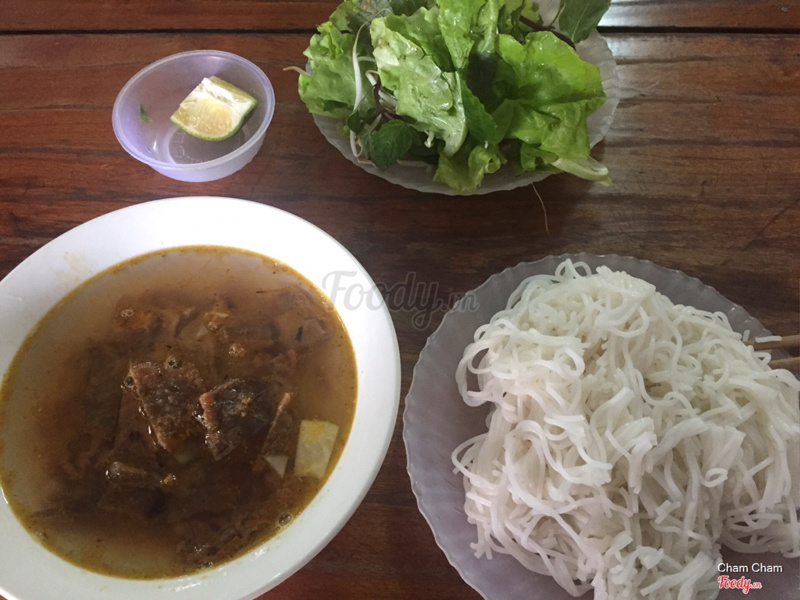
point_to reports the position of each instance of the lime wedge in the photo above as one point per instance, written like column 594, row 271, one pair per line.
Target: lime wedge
column 214, row 111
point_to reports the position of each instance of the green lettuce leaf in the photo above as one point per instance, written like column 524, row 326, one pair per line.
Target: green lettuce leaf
column 528, row 10
column 472, row 26
column 331, row 89
column 422, row 29
column 555, row 92
column 465, row 170
column 585, row 168
column 428, row 96
column 511, row 14
column 459, row 79
column 480, row 123
column 532, row 157
column 350, row 15
column 578, row 18
column 468, row 25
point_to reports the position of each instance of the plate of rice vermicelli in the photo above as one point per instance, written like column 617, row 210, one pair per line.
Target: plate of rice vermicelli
column 596, row 427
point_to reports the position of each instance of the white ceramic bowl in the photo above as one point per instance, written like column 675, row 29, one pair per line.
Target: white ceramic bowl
column 141, row 113
column 30, row 572
column 436, row 420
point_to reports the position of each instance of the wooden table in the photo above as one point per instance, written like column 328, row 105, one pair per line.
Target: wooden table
column 704, row 153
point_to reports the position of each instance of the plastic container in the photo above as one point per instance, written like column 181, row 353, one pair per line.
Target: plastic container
column 144, row 105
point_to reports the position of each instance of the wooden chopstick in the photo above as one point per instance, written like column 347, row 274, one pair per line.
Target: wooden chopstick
column 787, row 341
column 791, row 363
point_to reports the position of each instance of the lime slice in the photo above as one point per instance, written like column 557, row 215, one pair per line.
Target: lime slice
column 214, row 111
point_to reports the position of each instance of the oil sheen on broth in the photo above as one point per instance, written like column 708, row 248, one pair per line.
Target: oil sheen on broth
column 150, row 425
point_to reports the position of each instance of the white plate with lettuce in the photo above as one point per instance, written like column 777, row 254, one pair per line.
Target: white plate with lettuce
column 463, row 96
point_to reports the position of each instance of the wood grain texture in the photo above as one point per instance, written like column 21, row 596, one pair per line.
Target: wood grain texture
column 704, row 154
column 278, row 15
column 143, row 15
column 706, row 133
column 704, row 14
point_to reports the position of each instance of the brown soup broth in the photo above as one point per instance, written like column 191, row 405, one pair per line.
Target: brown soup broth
column 100, row 475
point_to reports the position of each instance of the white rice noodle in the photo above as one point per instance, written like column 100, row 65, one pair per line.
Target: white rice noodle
column 628, row 438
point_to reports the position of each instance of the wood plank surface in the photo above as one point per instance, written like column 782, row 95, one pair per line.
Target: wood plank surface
column 276, row 15
column 143, row 15
column 704, row 154
column 706, row 132
column 704, row 14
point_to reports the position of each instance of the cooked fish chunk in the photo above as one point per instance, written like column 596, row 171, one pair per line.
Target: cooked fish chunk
column 167, row 394
column 233, row 412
